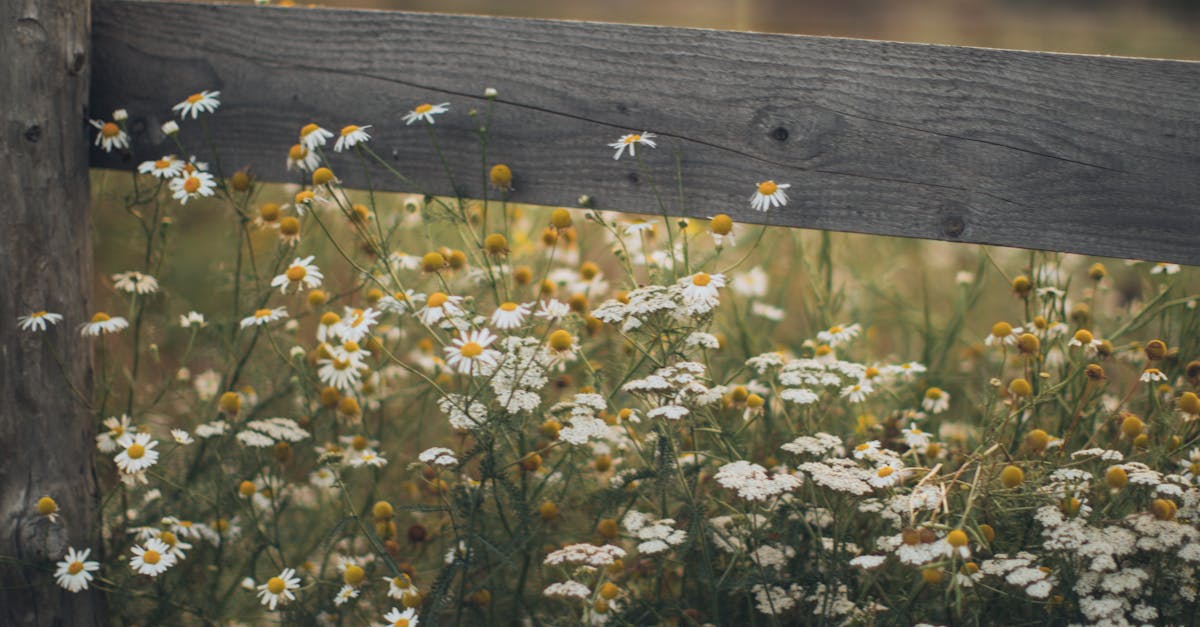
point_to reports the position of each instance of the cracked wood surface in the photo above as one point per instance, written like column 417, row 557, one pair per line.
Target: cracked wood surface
column 1086, row 154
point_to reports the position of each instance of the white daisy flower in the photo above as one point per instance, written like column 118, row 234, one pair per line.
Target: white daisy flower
column 425, row 112
column 313, row 136
column 302, row 273
column 936, row 400
column 340, row 373
column 181, row 436
column 138, row 453
column 168, row 167
column 350, row 136
column 700, row 291
column 631, row 141
column 37, row 320
column 301, row 158
column 366, row 457
column 639, row 227
column 400, row 586
column 1004, row 334
column 195, row 104
column 75, row 571
column 117, row 427
column 552, row 310
column 264, row 316
column 858, row 392
column 356, row 324
column 192, row 319
column 1161, row 268
column 1084, row 339
column 170, row 127
column 769, row 194
column 153, row 558
column 135, row 282
column 440, row 305
column 103, row 323
column 193, row 185
column 111, row 137
column 278, row 590
column 1150, row 375
column 509, row 316
column 469, row 353
column 915, row 438
column 396, row 618
column 345, row 594
column 839, row 334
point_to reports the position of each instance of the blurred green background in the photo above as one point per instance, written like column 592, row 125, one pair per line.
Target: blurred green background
column 1149, row 28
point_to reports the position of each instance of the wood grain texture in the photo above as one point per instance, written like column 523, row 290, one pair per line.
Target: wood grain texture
column 1075, row 153
column 46, row 434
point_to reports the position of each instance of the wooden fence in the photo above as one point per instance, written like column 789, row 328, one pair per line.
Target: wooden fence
column 1086, row 154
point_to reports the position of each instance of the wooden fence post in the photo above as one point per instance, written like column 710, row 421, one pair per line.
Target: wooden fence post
column 46, row 434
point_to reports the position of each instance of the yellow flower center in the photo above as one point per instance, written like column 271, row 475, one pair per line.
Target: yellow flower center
column 162, row 164
column 508, row 306
column 100, row 316
column 425, row 108
column 633, row 138
column 168, row 538
column 329, row 319
column 348, row 129
column 275, row 585
column 400, row 622
column 862, row 447
column 437, row 299
column 701, row 279
column 110, row 130
column 359, row 443
column 46, row 506
column 296, row 273
column 358, row 318
column 341, row 364
column 194, row 98
column 471, row 350
column 886, row 471
column 135, row 451
column 1002, row 329
column 297, row 152
column 191, row 185
column 151, row 556
column 1083, row 336
column 308, row 128
column 766, row 188
column 262, row 313
column 74, row 568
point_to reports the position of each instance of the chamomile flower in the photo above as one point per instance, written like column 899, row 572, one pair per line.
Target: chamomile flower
column 278, row 590
column 469, row 353
column 1084, row 339
column 631, row 141
column 1150, row 375
column 1003, row 334
column 509, row 315
column 769, row 194
column 195, row 104
column 110, row 136
column 356, row 324
column 313, row 136
column 1164, row 268
column 103, row 323
column 552, row 310
column 134, row 282
column 344, row 595
column 915, row 438
column 858, row 392
column 350, row 136
column 700, row 292
column 74, row 571
column 439, row 306
column 339, row 372
column 425, row 112
column 37, row 320
column 396, row 618
column 301, row 158
column 365, row 457
column 936, row 400
column 152, row 558
column 400, row 586
column 839, row 334
column 138, row 452
column 264, row 316
column 167, row 167
column 181, row 437
column 192, row 185
column 192, row 319
column 302, row 273
column 106, row 442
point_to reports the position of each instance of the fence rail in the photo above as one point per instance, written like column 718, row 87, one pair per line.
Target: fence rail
column 1088, row 154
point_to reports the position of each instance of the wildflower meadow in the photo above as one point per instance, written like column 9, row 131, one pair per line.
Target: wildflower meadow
column 318, row 403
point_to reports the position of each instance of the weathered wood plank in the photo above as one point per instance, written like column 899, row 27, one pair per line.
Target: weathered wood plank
column 46, row 433
column 1077, row 153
